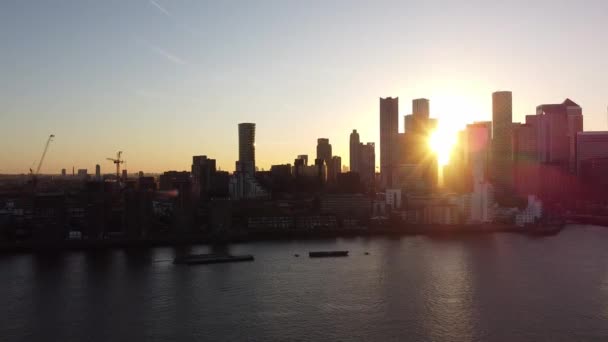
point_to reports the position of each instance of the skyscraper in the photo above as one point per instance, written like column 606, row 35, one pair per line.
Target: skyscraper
column 367, row 164
column 203, row 172
column 389, row 119
column 324, row 150
column 97, row 172
column 502, row 151
column 246, row 163
column 557, row 126
column 355, row 151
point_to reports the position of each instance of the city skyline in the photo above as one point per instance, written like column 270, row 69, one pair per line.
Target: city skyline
column 160, row 81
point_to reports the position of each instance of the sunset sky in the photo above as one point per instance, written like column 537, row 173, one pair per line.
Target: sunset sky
column 164, row 80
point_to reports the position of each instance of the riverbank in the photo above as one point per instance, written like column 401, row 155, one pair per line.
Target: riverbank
column 428, row 230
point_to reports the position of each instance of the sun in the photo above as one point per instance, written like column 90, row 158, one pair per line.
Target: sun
column 441, row 142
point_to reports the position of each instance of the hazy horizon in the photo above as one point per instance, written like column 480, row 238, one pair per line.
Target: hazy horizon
column 165, row 80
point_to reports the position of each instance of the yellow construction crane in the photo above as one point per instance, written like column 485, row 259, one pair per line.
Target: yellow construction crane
column 46, row 148
column 117, row 161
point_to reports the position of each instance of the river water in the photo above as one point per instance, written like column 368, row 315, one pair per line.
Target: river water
column 494, row 287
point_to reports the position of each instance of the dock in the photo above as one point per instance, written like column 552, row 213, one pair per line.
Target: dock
column 197, row 259
column 326, row 254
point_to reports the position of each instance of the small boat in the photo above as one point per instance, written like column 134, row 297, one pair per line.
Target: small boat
column 195, row 259
column 325, row 254
column 366, row 253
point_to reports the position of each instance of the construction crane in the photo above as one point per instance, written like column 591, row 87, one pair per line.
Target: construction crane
column 46, row 148
column 117, row 161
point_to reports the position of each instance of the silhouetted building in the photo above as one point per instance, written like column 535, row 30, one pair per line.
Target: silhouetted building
column 348, row 182
column 389, row 119
column 347, row 205
column 280, row 172
column 246, row 162
column 591, row 145
column 147, row 184
column 502, row 147
column 97, row 172
column 220, row 185
column 83, row 174
column 63, row 173
column 355, row 151
column 170, row 180
column 304, row 158
column 334, row 168
column 125, row 175
column 367, row 164
column 203, row 173
column 324, row 150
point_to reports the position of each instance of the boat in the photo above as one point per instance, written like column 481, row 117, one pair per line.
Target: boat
column 324, row 254
column 195, row 259
column 545, row 230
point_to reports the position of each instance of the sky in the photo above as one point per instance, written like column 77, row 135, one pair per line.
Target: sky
column 165, row 80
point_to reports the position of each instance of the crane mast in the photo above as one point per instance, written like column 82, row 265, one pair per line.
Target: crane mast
column 46, row 148
column 117, row 161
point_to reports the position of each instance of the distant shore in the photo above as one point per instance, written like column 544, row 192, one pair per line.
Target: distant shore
column 428, row 230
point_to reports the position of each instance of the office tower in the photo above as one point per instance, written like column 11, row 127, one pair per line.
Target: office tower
column 502, row 153
column 63, row 173
column 83, row 173
column 334, row 168
column 557, row 126
column 124, row 175
column 420, row 117
column 246, row 162
column 389, row 118
column 420, row 108
column 477, row 150
column 304, row 158
column 591, row 146
column 97, row 172
column 355, row 152
column 525, row 165
column 408, row 123
column 203, row 172
column 320, row 170
column 367, row 164
column 324, row 150
column 455, row 178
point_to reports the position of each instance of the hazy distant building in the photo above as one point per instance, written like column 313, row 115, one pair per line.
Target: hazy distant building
column 477, row 155
column 389, row 119
column 125, row 175
column 355, row 151
column 97, row 172
column 408, row 123
column 502, row 151
column 525, row 170
column 63, row 173
column 246, row 162
column 591, row 145
column 83, row 173
column 557, row 126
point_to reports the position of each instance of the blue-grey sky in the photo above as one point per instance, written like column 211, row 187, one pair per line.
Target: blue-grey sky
column 164, row 80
